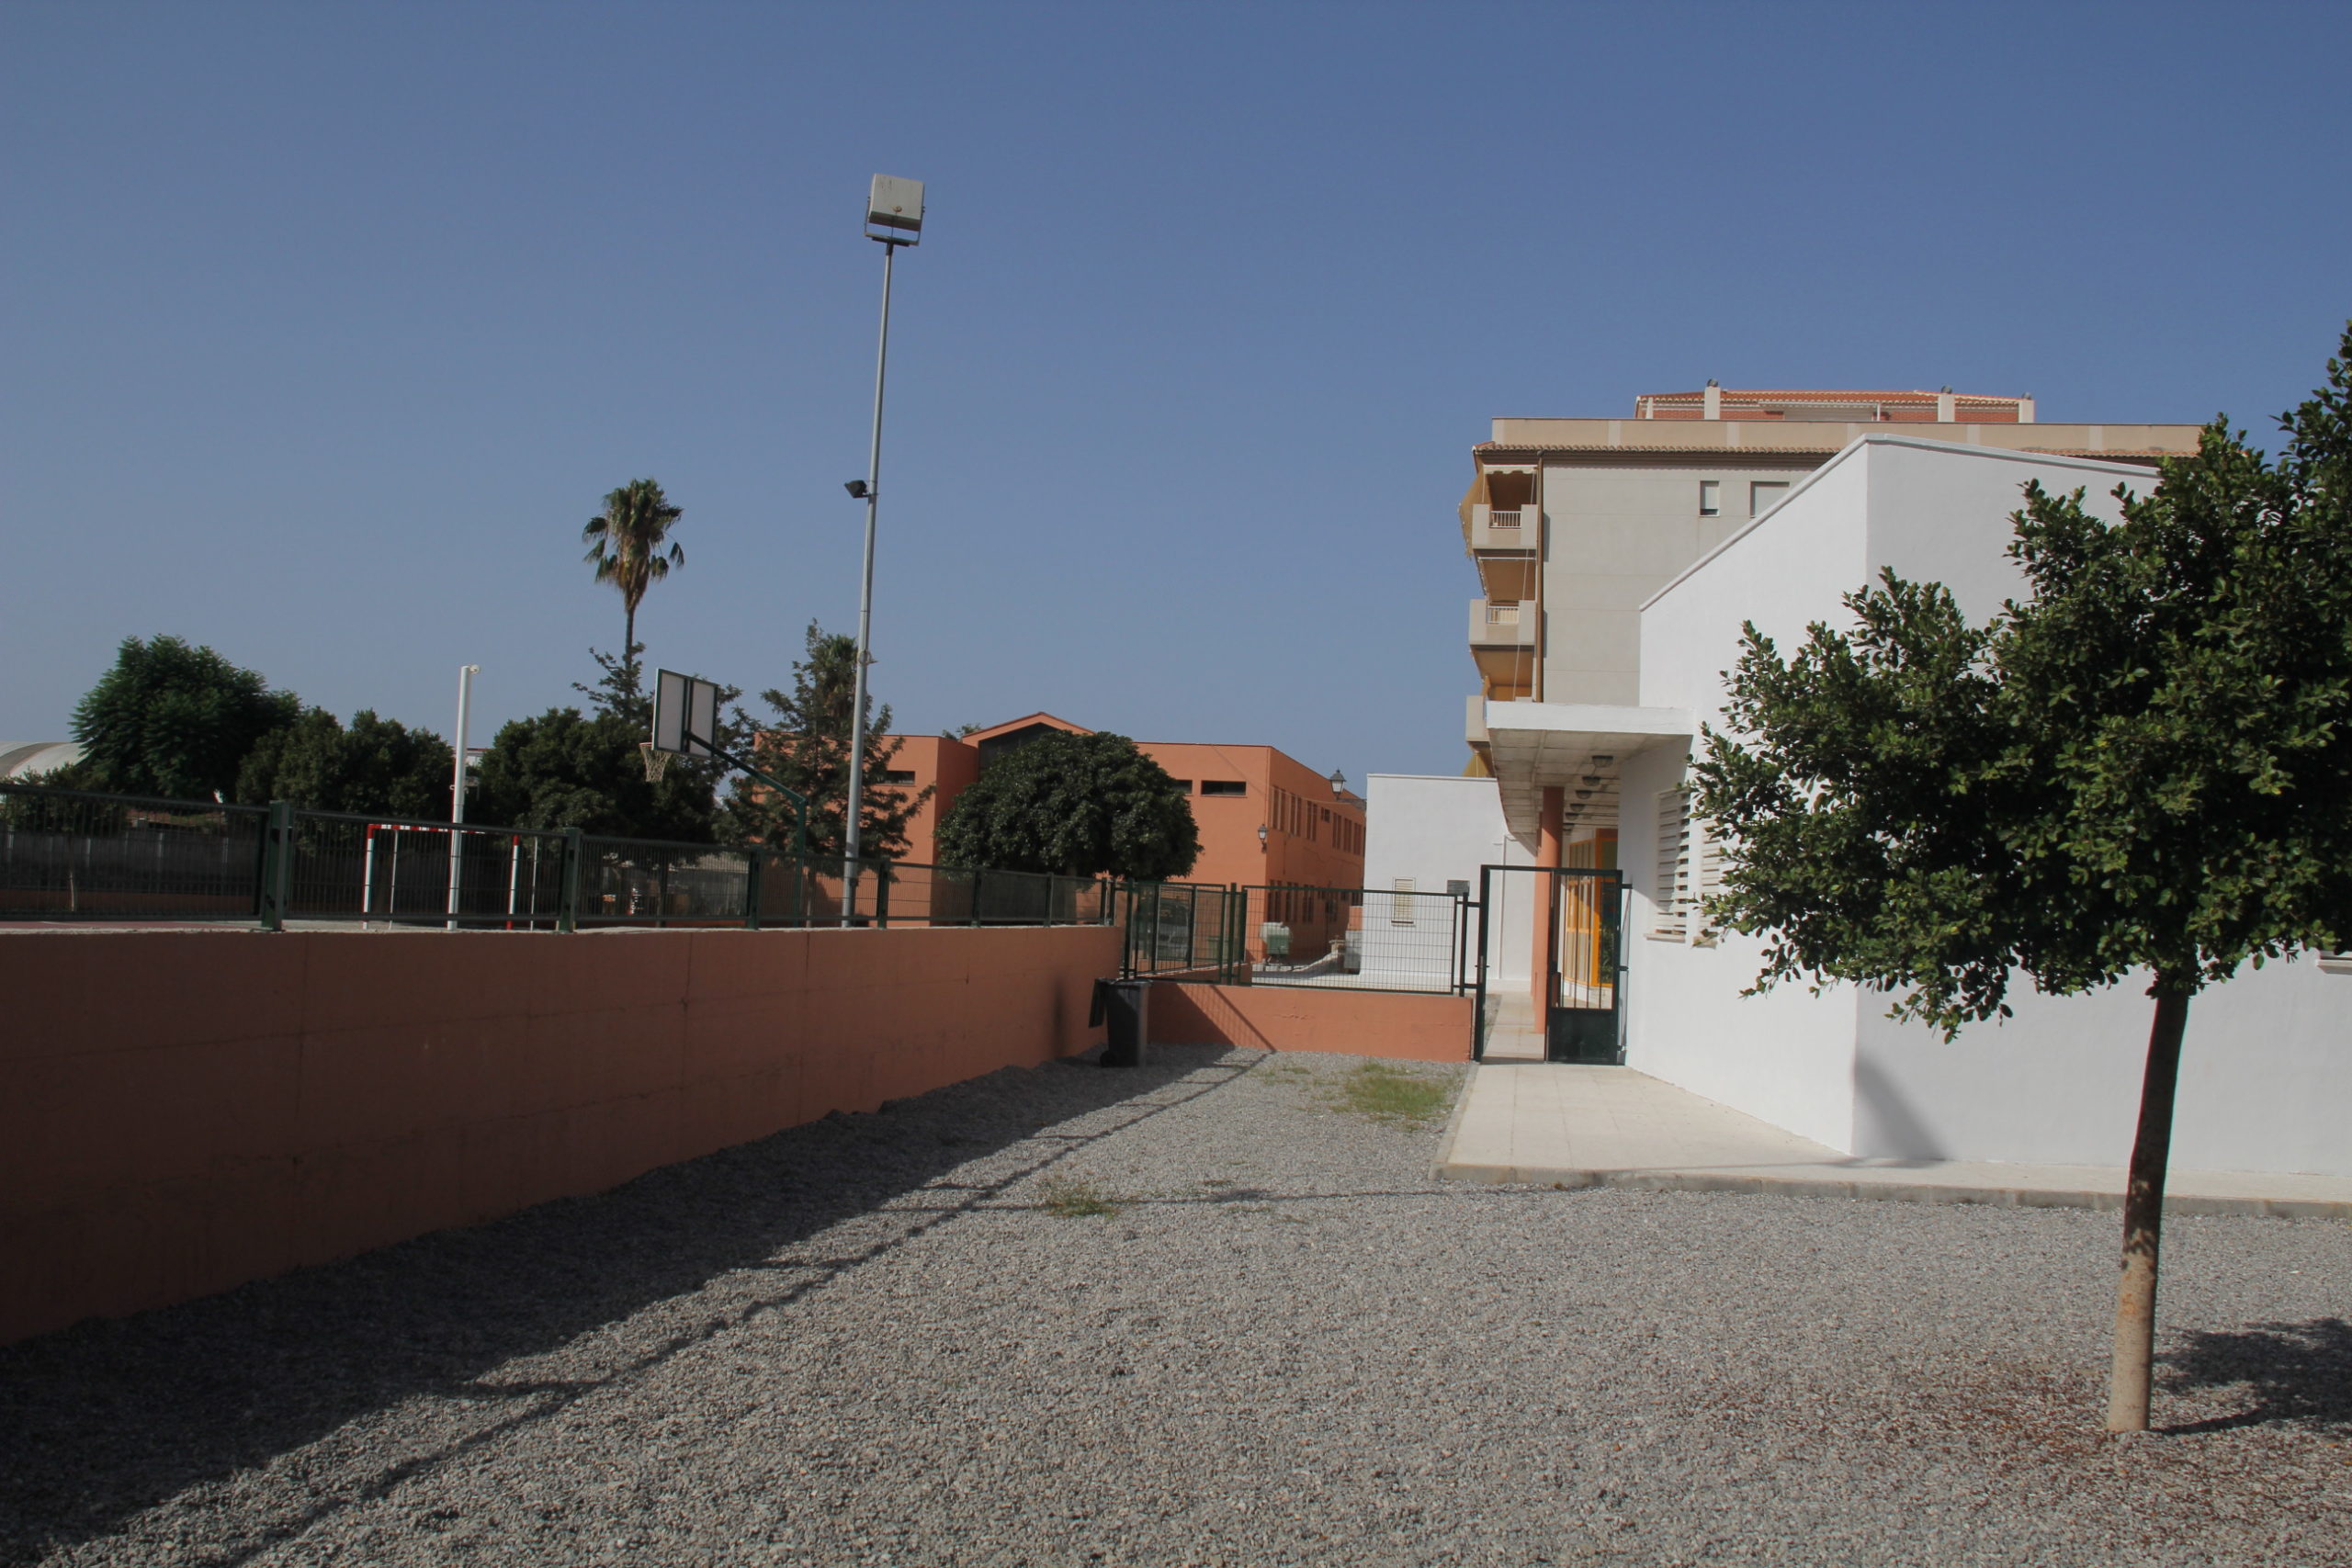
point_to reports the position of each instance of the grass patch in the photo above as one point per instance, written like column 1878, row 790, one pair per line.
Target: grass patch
column 1382, row 1093
column 1075, row 1198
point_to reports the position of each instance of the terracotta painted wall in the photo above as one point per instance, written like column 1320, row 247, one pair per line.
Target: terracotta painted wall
column 944, row 767
column 1299, row 1017
column 181, row 1111
column 1317, row 853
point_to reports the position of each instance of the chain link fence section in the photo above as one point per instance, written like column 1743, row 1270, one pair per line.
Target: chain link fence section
column 1357, row 939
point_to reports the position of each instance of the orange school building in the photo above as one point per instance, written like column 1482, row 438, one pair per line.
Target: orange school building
column 1265, row 817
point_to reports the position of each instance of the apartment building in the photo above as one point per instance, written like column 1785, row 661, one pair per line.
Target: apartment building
column 1573, row 524
column 1265, row 817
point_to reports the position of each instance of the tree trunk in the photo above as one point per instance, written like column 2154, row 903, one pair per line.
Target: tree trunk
column 2143, row 1215
column 629, row 633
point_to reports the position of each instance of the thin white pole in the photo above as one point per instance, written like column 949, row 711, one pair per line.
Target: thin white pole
column 466, row 673
column 865, row 607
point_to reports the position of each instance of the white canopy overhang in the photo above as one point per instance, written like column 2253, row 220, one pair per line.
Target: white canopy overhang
column 1577, row 747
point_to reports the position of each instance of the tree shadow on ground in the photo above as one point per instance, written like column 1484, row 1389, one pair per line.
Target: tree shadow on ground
column 2293, row 1373
column 111, row 1416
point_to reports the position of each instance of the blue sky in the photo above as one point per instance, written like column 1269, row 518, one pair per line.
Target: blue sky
column 324, row 327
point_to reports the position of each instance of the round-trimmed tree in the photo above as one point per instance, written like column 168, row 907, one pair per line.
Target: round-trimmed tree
column 171, row 719
column 1076, row 806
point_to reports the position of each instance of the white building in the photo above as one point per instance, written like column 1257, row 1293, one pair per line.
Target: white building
column 1428, row 834
column 2266, row 1072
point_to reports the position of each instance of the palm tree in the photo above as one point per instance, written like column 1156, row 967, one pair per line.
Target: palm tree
column 624, row 541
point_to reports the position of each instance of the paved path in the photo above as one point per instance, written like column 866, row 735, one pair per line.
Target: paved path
column 1581, row 1126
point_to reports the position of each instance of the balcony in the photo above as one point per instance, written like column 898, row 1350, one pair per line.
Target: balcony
column 1499, row 624
column 1502, row 641
column 1503, row 543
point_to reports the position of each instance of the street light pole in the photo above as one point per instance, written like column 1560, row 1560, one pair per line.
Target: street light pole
column 895, row 206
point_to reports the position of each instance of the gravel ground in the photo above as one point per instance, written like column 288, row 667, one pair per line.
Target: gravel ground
column 918, row 1338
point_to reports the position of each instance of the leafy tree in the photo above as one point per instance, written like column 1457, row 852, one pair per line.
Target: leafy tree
column 567, row 770
column 1078, row 805
column 2142, row 771
column 625, row 542
column 376, row 765
column 173, row 720
column 806, row 748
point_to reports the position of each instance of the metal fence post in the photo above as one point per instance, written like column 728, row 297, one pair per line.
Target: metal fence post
column 752, row 891
column 276, row 865
column 1236, row 930
column 567, row 904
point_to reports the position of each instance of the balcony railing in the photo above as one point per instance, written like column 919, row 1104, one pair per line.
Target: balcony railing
column 1511, row 531
column 1500, row 625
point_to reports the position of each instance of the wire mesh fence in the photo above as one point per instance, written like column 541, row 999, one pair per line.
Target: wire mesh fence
column 1182, row 927
column 1356, row 939
column 70, row 854
column 347, row 866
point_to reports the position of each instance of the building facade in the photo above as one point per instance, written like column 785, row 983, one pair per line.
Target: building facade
column 2265, row 1079
column 1573, row 524
column 1265, row 819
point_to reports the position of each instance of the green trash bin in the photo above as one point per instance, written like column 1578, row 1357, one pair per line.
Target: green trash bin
column 1124, row 1006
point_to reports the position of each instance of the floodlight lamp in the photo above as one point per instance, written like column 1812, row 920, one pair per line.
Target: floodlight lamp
column 857, row 489
column 895, row 207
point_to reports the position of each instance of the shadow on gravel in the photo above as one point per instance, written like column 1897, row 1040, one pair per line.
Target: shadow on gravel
column 2295, row 1373
column 106, row 1418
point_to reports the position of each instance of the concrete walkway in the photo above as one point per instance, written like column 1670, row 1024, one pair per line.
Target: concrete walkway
column 1550, row 1124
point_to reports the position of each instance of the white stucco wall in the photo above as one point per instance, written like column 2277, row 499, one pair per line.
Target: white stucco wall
column 1437, row 830
column 1787, row 1057
column 2266, row 1075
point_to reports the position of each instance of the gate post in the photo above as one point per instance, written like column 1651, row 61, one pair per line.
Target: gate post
column 566, row 899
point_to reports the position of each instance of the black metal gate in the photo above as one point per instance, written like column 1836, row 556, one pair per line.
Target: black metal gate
column 1551, row 964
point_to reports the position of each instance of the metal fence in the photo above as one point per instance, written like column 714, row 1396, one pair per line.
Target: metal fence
column 1182, row 927
column 73, row 855
column 69, row 854
column 1357, row 939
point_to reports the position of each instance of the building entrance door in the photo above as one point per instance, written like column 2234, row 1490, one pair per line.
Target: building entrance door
column 1550, row 966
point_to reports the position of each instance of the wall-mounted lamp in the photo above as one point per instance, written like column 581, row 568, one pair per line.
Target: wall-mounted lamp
column 1338, row 782
column 1262, row 835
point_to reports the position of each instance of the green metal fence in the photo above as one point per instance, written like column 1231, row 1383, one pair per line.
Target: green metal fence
column 1182, row 927
column 71, row 854
column 75, row 855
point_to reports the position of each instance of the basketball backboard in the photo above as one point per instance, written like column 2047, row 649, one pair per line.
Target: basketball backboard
column 686, row 714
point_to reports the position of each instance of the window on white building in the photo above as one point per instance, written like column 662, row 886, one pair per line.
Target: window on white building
column 1765, row 494
column 1400, row 902
column 1710, row 498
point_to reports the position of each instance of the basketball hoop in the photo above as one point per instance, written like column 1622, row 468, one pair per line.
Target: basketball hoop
column 656, row 761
